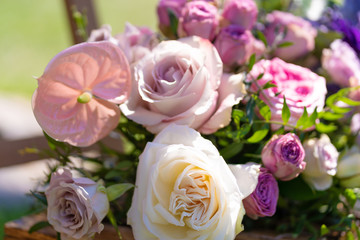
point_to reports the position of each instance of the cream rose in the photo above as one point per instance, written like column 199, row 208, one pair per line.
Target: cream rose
column 182, row 82
column 321, row 159
column 76, row 206
column 185, row 190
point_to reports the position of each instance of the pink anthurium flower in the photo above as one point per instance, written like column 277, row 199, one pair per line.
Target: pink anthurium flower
column 76, row 98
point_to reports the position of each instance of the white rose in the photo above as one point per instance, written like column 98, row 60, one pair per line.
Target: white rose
column 321, row 162
column 185, row 190
column 76, row 206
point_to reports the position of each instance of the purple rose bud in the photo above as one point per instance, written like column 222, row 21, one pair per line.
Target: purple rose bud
column 341, row 62
column 163, row 9
column 262, row 202
column 235, row 45
column 198, row 18
column 284, row 156
column 241, row 12
column 285, row 27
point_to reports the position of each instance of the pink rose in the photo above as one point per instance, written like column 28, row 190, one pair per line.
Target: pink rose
column 76, row 99
column 198, row 18
column 76, row 206
column 284, row 156
column 321, row 162
column 163, row 9
column 262, row 201
column 102, row 34
column 182, row 82
column 235, row 46
column 241, row 12
column 341, row 62
column 301, row 88
column 136, row 42
column 295, row 29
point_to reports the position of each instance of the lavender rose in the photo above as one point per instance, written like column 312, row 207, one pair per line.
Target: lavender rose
column 198, row 18
column 235, row 45
column 262, row 202
column 321, row 162
column 341, row 62
column 300, row 87
column 295, row 29
column 76, row 206
column 182, row 82
column 240, row 12
column 136, row 42
column 284, row 156
column 163, row 9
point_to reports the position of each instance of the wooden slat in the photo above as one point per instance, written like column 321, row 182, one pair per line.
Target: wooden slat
column 85, row 7
column 11, row 152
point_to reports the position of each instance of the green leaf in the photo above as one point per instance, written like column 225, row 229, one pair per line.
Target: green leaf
column 323, row 128
column 265, row 112
column 40, row 196
column 250, row 110
column 350, row 196
column 268, row 85
column 350, row 236
column 324, row 230
column 262, row 37
column 231, row 150
column 349, row 101
column 113, row 222
column 237, row 115
column 285, row 44
column 259, row 134
column 330, row 116
column 251, row 62
column 174, row 22
column 244, row 129
column 117, row 190
column 38, row 226
column 302, row 120
column 285, row 115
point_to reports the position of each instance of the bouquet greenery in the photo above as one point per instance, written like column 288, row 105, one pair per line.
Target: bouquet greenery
column 235, row 115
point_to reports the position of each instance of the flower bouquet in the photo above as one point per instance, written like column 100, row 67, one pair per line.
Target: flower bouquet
column 235, row 115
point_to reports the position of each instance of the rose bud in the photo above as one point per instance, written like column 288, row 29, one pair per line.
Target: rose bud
column 284, row 156
column 295, row 29
column 241, row 12
column 235, row 45
column 349, row 168
column 321, row 162
column 198, row 18
column 163, row 9
column 76, row 206
column 341, row 63
column 262, row 202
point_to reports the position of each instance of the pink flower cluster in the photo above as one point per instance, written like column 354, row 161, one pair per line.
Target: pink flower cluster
column 228, row 27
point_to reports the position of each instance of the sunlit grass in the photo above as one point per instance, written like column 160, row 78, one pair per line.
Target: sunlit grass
column 32, row 32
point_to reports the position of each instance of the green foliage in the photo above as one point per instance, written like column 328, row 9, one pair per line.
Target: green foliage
column 285, row 114
column 174, row 22
column 39, row 225
column 117, row 190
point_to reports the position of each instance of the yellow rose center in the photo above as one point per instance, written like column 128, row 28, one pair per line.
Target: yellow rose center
column 194, row 199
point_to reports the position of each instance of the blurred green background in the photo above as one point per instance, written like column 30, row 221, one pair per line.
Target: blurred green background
column 33, row 32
